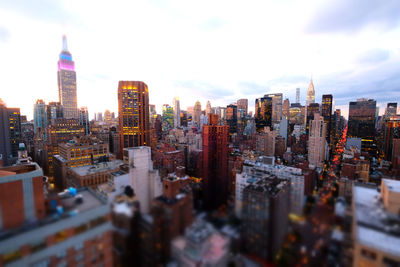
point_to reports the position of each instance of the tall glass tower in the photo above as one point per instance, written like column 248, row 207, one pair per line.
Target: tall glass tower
column 67, row 83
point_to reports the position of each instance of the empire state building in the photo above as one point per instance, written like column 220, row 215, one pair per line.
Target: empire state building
column 67, row 83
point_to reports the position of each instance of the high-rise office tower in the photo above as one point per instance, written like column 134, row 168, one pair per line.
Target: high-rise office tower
column 14, row 119
column 266, row 205
column 107, row 115
column 263, row 113
column 285, row 108
column 311, row 110
column 362, row 123
column 276, row 107
column 5, row 143
column 310, row 94
column 215, row 163
column 231, row 118
column 208, row 108
column 298, row 95
column 316, row 141
column 99, row 116
column 39, row 115
column 242, row 104
column 326, row 112
column 197, row 113
column 54, row 111
column 177, row 112
column 84, row 119
column 67, row 83
column 133, row 114
column 391, row 109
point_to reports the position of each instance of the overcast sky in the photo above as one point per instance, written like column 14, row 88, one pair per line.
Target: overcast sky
column 201, row 50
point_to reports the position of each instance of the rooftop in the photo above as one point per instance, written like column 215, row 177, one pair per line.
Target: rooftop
column 392, row 185
column 71, row 203
column 98, row 167
column 270, row 186
column 376, row 227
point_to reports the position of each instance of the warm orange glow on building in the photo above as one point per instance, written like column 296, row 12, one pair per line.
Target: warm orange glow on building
column 133, row 114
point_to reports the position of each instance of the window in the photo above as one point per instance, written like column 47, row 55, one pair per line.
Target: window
column 12, row 256
column 61, row 236
column 368, row 254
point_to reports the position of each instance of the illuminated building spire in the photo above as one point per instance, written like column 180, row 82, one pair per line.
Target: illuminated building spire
column 64, row 43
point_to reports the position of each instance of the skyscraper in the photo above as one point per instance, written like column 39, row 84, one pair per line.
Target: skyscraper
column 362, row 122
column 285, row 108
column 391, row 109
column 276, row 107
column 242, row 104
column 231, row 118
column 84, row 119
column 208, row 108
column 327, row 114
column 67, row 83
column 5, row 143
column 39, row 115
column 215, row 158
column 197, row 113
column 177, row 112
column 316, row 141
column 298, row 95
column 133, row 114
column 310, row 94
column 263, row 113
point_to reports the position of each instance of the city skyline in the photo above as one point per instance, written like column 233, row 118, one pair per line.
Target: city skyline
column 186, row 47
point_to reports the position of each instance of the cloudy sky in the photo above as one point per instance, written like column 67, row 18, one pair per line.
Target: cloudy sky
column 201, row 50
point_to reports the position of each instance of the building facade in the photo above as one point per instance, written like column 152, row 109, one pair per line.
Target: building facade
column 67, row 83
column 133, row 114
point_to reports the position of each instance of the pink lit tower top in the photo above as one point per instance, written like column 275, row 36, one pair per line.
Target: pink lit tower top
column 67, row 83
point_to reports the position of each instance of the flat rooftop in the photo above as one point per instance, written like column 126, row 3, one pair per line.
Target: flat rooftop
column 98, row 167
column 376, row 228
column 90, row 201
column 392, row 185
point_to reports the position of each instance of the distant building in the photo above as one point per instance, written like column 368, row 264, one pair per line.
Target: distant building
column 84, row 119
column 265, row 142
column 362, row 123
column 298, row 95
column 263, row 113
column 242, row 104
column 231, row 118
column 133, row 114
column 310, row 94
column 40, row 119
column 215, row 162
column 276, row 107
column 317, row 142
column 197, row 113
column 285, row 108
column 67, row 83
column 326, row 112
column 208, row 108
column 177, row 112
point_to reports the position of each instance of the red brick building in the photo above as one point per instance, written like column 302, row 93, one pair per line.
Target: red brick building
column 215, row 164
